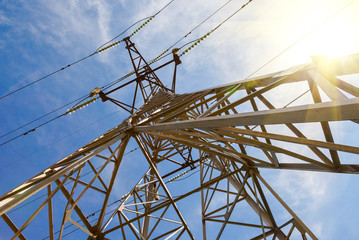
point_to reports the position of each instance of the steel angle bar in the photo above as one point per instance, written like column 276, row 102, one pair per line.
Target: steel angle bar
column 290, row 211
column 329, row 111
column 37, row 183
column 12, row 226
column 255, row 143
column 178, row 198
column 297, row 140
column 164, row 187
column 344, row 168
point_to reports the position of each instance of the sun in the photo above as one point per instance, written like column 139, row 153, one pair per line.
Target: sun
column 336, row 37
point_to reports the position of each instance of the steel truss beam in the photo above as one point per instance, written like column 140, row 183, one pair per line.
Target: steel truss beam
column 227, row 132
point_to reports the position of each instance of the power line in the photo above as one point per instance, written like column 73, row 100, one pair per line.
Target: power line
column 117, row 36
column 33, row 129
column 197, row 26
column 84, row 97
column 194, row 44
column 46, row 76
column 43, row 116
column 58, row 140
column 214, row 29
column 164, row 53
column 220, row 45
column 107, row 86
column 297, row 41
column 84, row 58
column 77, row 106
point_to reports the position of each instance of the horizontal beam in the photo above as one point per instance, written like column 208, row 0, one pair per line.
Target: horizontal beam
column 329, row 111
column 334, row 67
column 297, row 140
column 344, row 168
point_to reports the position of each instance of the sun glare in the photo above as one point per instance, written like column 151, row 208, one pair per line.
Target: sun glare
column 337, row 37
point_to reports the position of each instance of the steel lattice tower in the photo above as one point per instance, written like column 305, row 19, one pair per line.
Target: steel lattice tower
column 225, row 132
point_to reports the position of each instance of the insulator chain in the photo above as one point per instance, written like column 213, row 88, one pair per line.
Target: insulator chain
column 185, row 172
column 109, row 46
column 196, row 43
column 140, row 27
column 81, row 105
column 178, row 176
column 118, row 42
column 124, row 77
column 158, row 57
column 127, row 75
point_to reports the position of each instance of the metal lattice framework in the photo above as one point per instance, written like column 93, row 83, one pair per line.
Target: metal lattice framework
column 227, row 133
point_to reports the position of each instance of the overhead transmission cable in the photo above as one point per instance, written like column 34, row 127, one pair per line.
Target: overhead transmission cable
column 46, row 76
column 194, row 42
column 201, row 39
column 190, row 32
column 33, row 129
column 214, row 29
column 98, row 50
column 45, row 115
column 101, row 49
column 58, row 140
column 165, row 52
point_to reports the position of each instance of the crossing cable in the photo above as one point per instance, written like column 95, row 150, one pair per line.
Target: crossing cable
column 195, row 42
column 159, row 57
column 214, row 29
column 201, row 39
column 98, row 50
column 69, row 111
column 101, row 49
column 58, row 140
column 33, row 129
column 190, row 32
column 165, row 52
column 43, row 116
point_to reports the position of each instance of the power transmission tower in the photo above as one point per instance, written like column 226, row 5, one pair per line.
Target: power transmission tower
column 225, row 133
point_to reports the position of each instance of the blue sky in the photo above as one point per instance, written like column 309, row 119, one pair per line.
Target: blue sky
column 38, row 37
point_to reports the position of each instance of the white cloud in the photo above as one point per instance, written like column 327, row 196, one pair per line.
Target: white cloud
column 307, row 194
column 4, row 20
